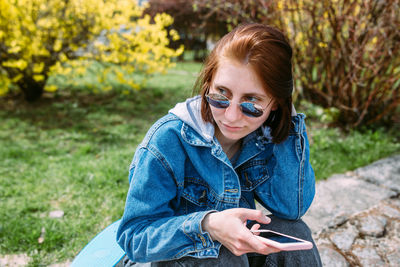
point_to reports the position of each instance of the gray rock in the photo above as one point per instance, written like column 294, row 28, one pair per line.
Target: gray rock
column 340, row 197
column 331, row 258
column 390, row 212
column 368, row 256
column 344, row 237
column 322, row 241
column 395, row 203
column 338, row 220
column 389, row 247
column 394, row 258
column 395, row 230
column 355, row 217
column 385, row 172
column 372, row 225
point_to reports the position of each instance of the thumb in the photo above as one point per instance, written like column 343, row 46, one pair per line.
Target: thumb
column 256, row 215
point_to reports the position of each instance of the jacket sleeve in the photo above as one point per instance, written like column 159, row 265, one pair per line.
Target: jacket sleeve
column 290, row 189
column 150, row 230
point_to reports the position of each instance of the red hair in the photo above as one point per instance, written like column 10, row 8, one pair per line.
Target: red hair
column 268, row 52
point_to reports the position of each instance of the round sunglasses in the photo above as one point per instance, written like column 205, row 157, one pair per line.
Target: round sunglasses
column 249, row 109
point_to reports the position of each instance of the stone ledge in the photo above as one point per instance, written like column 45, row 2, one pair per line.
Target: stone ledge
column 369, row 238
column 355, row 217
column 340, row 197
column 384, row 173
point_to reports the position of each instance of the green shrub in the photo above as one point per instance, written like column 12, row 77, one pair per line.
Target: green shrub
column 346, row 56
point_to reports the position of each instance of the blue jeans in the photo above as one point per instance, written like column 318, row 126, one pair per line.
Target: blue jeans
column 297, row 228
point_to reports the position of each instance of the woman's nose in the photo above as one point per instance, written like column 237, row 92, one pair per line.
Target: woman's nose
column 233, row 112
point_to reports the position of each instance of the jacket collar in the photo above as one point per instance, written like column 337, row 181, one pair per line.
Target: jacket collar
column 190, row 113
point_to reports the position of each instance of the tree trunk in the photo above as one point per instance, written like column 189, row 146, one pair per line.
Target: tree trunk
column 32, row 89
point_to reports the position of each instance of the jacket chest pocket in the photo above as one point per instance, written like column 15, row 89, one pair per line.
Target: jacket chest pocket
column 252, row 174
column 196, row 196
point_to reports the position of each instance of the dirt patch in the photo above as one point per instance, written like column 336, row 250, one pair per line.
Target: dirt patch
column 14, row 260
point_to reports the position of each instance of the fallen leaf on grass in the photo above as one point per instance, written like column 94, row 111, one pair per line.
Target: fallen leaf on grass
column 42, row 234
column 56, row 214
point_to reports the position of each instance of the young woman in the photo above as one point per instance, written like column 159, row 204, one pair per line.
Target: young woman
column 196, row 176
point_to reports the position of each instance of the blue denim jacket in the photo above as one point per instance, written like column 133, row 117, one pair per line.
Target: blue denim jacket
column 180, row 173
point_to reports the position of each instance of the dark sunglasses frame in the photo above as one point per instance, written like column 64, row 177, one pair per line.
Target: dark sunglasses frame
column 249, row 109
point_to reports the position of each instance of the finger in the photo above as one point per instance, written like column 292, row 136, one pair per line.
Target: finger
column 269, row 250
column 263, row 248
column 255, row 227
column 257, row 245
column 257, row 215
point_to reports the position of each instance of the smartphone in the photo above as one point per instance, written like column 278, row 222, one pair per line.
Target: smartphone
column 282, row 241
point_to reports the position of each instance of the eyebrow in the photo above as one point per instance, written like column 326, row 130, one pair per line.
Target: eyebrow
column 248, row 94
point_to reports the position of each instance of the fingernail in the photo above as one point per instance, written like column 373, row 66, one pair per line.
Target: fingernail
column 268, row 218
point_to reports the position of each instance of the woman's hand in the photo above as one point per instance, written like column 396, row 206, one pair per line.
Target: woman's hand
column 229, row 228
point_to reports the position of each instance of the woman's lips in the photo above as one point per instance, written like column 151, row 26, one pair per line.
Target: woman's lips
column 231, row 128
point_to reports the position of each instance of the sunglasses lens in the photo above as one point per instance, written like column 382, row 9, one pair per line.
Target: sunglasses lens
column 217, row 101
column 248, row 109
column 251, row 110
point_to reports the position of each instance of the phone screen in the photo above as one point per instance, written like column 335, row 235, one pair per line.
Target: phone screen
column 279, row 238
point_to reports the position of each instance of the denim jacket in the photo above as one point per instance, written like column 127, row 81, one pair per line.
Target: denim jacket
column 180, row 173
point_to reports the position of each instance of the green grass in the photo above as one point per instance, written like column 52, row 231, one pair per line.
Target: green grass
column 333, row 152
column 71, row 152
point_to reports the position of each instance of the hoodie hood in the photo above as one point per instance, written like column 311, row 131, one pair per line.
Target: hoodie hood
column 190, row 113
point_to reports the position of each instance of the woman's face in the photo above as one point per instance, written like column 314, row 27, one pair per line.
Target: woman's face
column 239, row 83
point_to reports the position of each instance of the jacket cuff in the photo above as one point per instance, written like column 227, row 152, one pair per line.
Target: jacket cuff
column 201, row 239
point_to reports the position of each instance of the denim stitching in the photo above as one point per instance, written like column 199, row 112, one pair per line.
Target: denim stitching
column 163, row 162
column 195, row 250
column 252, row 163
column 301, row 170
column 255, row 182
column 187, row 234
column 191, row 199
column 203, row 183
column 192, row 142
column 156, row 126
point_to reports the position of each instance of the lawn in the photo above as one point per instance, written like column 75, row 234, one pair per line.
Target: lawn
column 70, row 152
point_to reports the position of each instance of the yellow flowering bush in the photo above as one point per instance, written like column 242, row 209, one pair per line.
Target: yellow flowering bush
column 40, row 38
